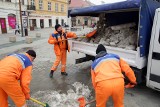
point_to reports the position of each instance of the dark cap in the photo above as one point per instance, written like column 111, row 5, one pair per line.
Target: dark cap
column 57, row 26
column 100, row 48
column 31, row 53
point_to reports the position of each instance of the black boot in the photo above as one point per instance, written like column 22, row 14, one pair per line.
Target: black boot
column 64, row 73
column 51, row 74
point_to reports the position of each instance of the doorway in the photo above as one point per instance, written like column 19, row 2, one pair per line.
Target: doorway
column 42, row 23
column 62, row 22
column 86, row 22
column 57, row 21
column 12, row 21
column 50, row 22
column 34, row 23
column 3, row 25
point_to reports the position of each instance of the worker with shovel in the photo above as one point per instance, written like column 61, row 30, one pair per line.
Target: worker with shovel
column 13, row 68
column 107, row 77
column 61, row 45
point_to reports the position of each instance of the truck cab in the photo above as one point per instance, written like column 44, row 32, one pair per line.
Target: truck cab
column 153, row 68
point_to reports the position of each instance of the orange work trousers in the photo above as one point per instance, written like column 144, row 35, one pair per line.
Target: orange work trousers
column 60, row 58
column 107, row 88
column 11, row 87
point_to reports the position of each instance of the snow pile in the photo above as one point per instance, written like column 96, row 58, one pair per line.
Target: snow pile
column 58, row 99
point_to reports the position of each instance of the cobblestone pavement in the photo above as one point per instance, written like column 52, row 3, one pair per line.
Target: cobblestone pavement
column 140, row 96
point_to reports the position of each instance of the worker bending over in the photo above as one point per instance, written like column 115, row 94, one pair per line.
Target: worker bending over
column 60, row 42
column 107, row 77
column 13, row 68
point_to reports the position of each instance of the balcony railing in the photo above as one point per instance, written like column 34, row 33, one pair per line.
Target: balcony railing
column 31, row 7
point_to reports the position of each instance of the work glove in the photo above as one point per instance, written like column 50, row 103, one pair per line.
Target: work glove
column 27, row 96
column 66, row 32
column 60, row 40
column 76, row 37
column 130, row 85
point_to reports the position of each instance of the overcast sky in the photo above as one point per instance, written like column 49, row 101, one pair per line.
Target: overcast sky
column 97, row 2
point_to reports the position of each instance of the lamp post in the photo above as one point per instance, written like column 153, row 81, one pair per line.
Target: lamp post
column 20, row 13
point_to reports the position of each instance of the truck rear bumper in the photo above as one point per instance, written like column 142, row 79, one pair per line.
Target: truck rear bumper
column 131, row 57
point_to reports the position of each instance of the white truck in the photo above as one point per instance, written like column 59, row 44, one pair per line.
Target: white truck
column 145, row 59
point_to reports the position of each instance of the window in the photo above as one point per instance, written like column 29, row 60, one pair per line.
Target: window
column 62, row 8
column 32, row 2
column 56, row 7
column 49, row 6
column 40, row 4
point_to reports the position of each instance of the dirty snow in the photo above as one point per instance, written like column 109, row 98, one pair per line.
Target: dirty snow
column 58, row 99
column 122, row 36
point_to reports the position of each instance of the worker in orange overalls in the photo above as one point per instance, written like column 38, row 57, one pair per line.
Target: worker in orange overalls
column 107, row 77
column 59, row 39
column 13, row 68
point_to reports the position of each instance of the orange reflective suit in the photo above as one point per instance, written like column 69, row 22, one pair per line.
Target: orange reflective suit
column 13, row 68
column 60, row 48
column 108, row 80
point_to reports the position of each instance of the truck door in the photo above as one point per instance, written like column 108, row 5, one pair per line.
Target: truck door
column 153, row 71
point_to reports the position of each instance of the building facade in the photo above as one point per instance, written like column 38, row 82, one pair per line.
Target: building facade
column 9, row 14
column 85, row 20
column 47, row 13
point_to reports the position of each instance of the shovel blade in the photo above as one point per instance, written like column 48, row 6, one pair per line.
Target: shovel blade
column 82, row 102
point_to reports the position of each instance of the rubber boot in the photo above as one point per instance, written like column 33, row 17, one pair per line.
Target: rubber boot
column 64, row 73
column 51, row 74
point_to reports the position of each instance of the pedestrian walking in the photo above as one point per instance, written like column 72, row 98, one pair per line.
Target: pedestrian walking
column 25, row 29
column 17, row 29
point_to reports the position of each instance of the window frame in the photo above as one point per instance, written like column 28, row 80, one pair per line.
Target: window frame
column 40, row 4
column 62, row 7
column 56, row 7
column 49, row 6
column 32, row 2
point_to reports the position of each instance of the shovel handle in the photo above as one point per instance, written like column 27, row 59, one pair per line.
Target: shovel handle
column 38, row 102
column 90, row 102
column 74, row 38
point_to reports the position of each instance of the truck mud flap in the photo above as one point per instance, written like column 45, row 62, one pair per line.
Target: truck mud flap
column 140, row 75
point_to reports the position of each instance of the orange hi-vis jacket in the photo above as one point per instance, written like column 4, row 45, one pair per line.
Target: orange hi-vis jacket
column 63, row 45
column 110, row 66
column 19, row 67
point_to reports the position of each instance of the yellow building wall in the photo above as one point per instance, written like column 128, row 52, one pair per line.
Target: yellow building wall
column 45, row 10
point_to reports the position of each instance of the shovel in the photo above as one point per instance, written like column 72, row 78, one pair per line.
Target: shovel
column 74, row 38
column 40, row 103
column 82, row 102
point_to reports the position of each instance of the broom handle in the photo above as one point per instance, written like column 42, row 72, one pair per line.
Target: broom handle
column 90, row 102
column 38, row 102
